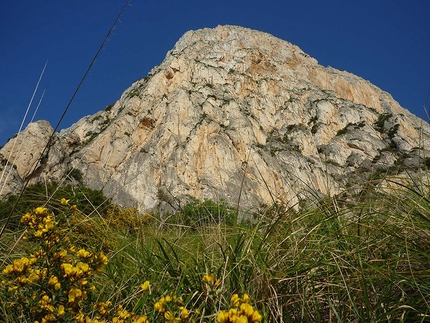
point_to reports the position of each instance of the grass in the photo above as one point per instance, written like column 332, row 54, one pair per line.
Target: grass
column 364, row 258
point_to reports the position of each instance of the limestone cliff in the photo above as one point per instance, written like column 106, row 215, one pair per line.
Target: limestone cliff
column 232, row 111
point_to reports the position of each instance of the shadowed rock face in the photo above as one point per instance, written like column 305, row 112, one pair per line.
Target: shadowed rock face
column 232, row 113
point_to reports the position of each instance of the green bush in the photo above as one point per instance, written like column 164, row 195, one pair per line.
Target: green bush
column 200, row 213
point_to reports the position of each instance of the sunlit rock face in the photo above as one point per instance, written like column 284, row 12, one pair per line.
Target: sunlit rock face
column 237, row 114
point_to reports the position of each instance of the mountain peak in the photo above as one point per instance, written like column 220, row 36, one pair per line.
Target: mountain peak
column 237, row 114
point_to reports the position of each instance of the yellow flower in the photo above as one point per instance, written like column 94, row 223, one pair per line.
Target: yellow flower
column 8, row 270
column 20, row 265
column 246, row 309
column 207, row 278
column 171, row 318
column 235, row 300
column 103, row 307
column 60, row 311
column 241, row 319
column 22, row 280
column 184, row 312
column 83, row 282
column 103, row 259
column 240, row 312
column 158, row 306
column 49, row 223
column 80, row 317
column 37, row 275
column 26, row 218
column 245, row 298
column 45, row 300
column 142, row 319
column 74, row 293
column 48, row 318
column 53, row 280
column 222, row 317
column 256, row 317
column 83, row 253
column 232, row 313
column 12, row 288
column 38, row 233
column 68, row 269
column 64, row 201
column 34, row 256
column 145, row 285
column 122, row 313
column 40, row 210
column 83, row 267
column 60, row 254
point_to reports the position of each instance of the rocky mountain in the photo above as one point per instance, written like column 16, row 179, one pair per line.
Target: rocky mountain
column 230, row 113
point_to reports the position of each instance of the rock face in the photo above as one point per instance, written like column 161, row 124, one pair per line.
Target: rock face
column 237, row 114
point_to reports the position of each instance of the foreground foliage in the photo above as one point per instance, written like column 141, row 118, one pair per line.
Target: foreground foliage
column 53, row 284
column 55, row 281
column 362, row 258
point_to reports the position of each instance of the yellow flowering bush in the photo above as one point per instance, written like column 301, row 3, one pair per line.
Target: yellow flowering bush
column 171, row 309
column 54, row 283
column 240, row 312
column 127, row 219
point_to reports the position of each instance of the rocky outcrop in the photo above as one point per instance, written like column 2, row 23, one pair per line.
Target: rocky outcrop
column 236, row 114
column 26, row 150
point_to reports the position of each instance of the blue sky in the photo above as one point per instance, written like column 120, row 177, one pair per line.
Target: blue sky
column 385, row 42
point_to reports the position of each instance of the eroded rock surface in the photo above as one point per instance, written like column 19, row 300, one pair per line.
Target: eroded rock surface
column 234, row 113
